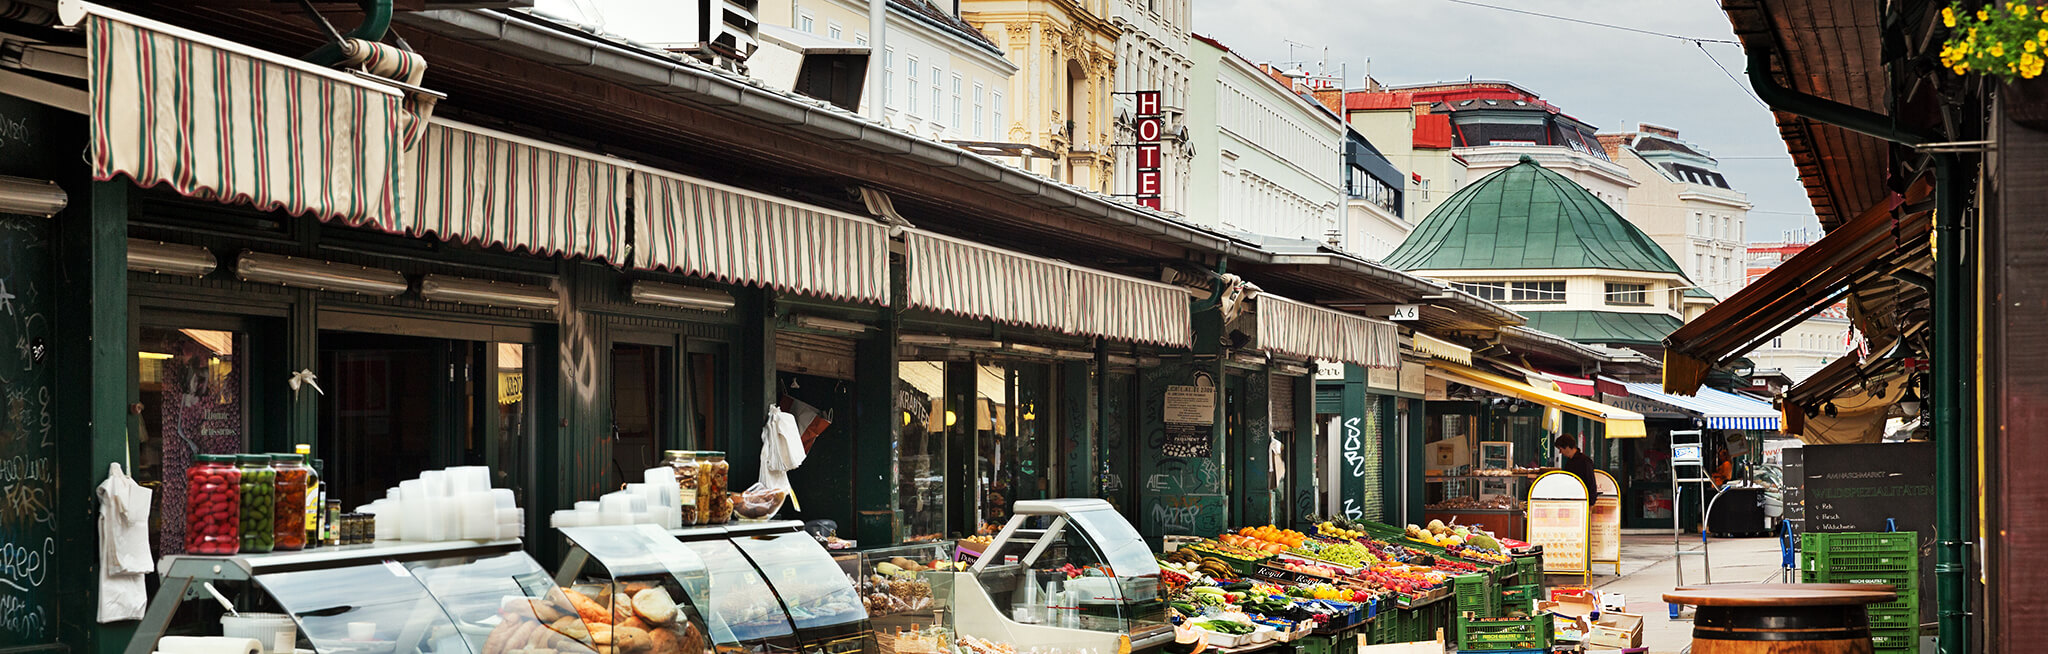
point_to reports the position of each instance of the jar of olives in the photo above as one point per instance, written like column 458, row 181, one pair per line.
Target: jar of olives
column 259, row 503
column 687, row 471
column 213, row 505
column 711, row 481
column 289, row 526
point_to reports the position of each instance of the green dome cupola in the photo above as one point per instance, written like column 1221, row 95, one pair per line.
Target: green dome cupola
column 1527, row 217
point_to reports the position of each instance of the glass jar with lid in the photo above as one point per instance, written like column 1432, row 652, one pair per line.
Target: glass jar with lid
column 688, row 476
column 213, row 505
column 259, row 503
column 288, row 521
column 711, row 487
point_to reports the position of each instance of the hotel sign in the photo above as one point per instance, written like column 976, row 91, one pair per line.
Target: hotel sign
column 1151, row 124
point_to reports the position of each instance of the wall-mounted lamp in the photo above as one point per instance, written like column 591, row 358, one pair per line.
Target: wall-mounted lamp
column 679, row 296
column 463, row 290
column 160, row 258
column 828, row 324
column 33, row 197
column 318, row 275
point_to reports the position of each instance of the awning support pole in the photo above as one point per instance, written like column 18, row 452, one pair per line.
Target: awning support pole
column 1950, row 272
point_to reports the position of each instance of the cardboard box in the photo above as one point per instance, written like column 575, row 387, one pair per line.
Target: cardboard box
column 1572, row 602
column 1613, row 602
column 1618, row 630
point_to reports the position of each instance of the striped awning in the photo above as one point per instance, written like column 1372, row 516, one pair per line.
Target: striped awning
column 1721, row 409
column 1311, row 332
column 968, row 279
column 1442, row 349
column 495, row 189
column 213, row 119
column 731, row 235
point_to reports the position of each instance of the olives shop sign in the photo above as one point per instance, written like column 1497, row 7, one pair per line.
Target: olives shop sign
column 1151, row 122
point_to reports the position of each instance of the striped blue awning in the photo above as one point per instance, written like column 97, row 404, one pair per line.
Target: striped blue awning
column 1721, row 409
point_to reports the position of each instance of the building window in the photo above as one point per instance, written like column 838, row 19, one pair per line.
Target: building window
column 888, row 74
column 834, row 31
column 1628, row 294
column 936, row 107
column 1777, row 342
column 1699, row 223
column 860, row 39
column 806, row 23
column 911, row 91
column 1002, row 129
column 979, row 91
column 1536, row 292
column 956, row 103
column 1495, row 291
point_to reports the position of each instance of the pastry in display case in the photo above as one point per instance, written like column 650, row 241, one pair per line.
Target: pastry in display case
column 759, row 587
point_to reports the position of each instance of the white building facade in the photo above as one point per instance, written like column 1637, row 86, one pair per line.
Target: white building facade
column 1152, row 55
column 1267, row 161
column 1684, row 202
column 944, row 79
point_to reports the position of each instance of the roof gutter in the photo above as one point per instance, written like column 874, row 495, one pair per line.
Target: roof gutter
column 557, row 45
column 1813, row 107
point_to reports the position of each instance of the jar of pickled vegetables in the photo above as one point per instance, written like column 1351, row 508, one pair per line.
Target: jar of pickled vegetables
column 259, row 504
column 685, row 465
column 213, row 505
column 713, row 473
column 289, row 526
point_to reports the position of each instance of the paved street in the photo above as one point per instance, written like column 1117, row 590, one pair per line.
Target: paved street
column 1649, row 569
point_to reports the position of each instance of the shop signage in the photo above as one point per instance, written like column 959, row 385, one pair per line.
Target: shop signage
column 1190, row 418
column 1383, row 379
column 1151, row 123
column 1560, row 519
column 1605, row 532
column 1329, row 371
column 1435, row 389
column 1406, row 312
column 1414, row 378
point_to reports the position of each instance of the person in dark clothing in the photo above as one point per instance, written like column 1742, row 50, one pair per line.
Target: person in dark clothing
column 1576, row 461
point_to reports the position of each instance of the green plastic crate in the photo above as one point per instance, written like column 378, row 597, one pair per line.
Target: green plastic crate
column 1477, row 633
column 1893, row 618
column 1898, row 639
column 1895, row 542
column 1529, row 569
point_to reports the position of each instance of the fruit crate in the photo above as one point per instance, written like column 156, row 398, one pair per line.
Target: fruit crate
column 1477, row 633
column 1530, row 569
column 1522, row 597
column 1891, row 542
column 1473, row 590
column 1411, row 626
column 1381, row 631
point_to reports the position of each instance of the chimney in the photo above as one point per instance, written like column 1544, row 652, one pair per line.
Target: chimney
column 1659, row 130
column 1613, row 142
column 1332, row 99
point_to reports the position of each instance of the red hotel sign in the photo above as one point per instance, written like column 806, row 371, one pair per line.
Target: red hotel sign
column 1151, row 121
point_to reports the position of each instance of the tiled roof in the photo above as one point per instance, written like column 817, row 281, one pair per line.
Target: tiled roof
column 1606, row 327
column 1525, row 216
column 1378, row 101
column 947, row 21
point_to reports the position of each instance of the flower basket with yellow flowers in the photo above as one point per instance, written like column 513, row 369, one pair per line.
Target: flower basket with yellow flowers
column 2008, row 41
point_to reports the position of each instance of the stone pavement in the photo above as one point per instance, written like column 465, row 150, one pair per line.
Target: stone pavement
column 1649, row 569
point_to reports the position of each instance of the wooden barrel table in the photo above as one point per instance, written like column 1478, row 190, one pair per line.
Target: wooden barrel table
column 1781, row 618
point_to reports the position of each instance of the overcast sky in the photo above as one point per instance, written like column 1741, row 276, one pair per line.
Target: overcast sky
column 1603, row 76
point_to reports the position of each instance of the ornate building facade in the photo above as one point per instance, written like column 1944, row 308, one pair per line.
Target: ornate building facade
column 1060, row 98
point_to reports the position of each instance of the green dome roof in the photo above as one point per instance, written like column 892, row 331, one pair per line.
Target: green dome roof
column 1525, row 216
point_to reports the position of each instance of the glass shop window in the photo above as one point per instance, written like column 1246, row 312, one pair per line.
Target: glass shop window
column 921, row 456
column 1017, row 440
column 191, row 388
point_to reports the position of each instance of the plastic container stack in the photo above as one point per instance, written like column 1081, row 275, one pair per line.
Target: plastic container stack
column 452, row 504
column 656, row 501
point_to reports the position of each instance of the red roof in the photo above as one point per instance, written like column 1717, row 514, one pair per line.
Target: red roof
column 1378, row 101
column 1433, row 131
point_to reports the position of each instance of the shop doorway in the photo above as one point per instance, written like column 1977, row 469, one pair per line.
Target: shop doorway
column 394, row 406
column 641, row 383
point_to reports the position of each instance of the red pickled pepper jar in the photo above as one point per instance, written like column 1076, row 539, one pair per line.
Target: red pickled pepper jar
column 288, row 524
column 213, row 505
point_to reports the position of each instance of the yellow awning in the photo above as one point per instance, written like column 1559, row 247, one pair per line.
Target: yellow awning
column 1621, row 423
column 1442, row 349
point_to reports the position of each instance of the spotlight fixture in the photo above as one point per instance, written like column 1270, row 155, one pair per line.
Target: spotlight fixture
column 463, row 290
column 1812, row 411
column 318, row 275
column 34, row 197
column 160, row 258
column 1909, row 402
column 679, row 296
column 1829, row 409
column 828, row 324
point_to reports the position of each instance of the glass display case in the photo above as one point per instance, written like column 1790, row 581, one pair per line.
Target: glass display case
column 759, row 587
column 1065, row 576
column 459, row 597
column 1492, row 500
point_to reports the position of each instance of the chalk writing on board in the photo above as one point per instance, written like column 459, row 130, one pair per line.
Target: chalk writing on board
column 28, row 477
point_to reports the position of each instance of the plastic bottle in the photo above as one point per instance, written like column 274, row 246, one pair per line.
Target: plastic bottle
column 316, row 500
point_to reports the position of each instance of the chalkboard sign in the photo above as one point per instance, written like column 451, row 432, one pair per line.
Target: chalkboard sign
column 28, row 446
column 1861, row 487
